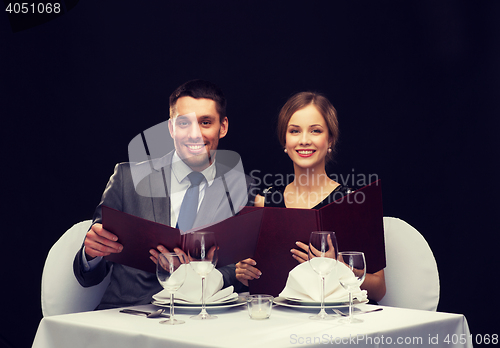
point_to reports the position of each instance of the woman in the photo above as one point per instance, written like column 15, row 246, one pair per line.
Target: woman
column 308, row 131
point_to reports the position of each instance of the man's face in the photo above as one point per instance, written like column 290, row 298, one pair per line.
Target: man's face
column 196, row 129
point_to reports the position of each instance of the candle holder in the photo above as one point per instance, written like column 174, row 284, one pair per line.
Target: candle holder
column 259, row 306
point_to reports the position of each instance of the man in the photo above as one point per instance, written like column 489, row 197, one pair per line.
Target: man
column 155, row 190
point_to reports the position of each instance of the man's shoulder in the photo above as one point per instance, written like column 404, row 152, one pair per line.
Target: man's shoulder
column 147, row 165
column 137, row 172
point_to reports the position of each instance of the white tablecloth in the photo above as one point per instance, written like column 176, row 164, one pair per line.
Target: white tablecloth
column 287, row 327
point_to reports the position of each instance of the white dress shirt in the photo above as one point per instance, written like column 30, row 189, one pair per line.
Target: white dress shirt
column 179, row 183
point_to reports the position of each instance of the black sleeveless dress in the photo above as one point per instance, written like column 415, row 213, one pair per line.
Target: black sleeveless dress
column 274, row 196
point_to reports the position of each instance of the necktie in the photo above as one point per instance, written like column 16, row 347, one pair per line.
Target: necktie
column 189, row 206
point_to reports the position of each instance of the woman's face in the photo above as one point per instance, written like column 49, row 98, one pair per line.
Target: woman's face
column 307, row 138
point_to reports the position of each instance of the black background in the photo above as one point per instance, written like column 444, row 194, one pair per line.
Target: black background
column 415, row 83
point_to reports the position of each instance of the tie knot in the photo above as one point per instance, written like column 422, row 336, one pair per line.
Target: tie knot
column 196, row 178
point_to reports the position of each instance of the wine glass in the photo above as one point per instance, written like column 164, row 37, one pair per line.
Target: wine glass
column 202, row 248
column 171, row 273
column 322, row 256
column 355, row 261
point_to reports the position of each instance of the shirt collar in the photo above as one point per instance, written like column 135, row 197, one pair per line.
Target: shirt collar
column 181, row 170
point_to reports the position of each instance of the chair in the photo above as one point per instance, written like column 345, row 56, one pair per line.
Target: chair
column 61, row 291
column 411, row 274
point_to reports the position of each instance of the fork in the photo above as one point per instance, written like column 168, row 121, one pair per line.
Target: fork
column 339, row 312
column 156, row 314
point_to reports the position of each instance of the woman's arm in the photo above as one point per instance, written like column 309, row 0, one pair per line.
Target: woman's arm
column 374, row 284
column 259, row 201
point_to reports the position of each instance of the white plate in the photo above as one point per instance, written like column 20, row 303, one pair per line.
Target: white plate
column 281, row 301
column 236, row 302
column 230, row 298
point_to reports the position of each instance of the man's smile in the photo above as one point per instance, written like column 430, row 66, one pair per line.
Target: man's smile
column 196, row 148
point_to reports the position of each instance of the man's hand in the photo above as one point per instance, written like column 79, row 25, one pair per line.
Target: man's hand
column 246, row 271
column 100, row 242
column 161, row 249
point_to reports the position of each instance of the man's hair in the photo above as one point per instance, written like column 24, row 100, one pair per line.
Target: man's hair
column 200, row 89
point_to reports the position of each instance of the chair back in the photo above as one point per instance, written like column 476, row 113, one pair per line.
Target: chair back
column 411, row 274
column 61, row 291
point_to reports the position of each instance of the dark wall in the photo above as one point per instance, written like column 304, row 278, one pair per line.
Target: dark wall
column 415, row 85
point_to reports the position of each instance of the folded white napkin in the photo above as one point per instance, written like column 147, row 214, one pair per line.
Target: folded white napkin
column 190, row 291
column 304, row 285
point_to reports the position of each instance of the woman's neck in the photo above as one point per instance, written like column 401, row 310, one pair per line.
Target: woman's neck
column 310, row 179
column 310, row 187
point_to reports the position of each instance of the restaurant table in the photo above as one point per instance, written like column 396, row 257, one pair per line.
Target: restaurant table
column 287, row 327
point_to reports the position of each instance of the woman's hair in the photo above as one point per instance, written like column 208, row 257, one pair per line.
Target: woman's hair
column 302, row 100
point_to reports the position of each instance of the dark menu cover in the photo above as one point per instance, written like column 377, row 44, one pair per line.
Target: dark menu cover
column 264, row 234
column 356, row 219
column 236, row 237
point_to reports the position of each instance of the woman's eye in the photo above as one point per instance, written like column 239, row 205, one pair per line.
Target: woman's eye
column 294, row 131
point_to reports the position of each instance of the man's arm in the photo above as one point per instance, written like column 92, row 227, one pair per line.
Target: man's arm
column 99, row 242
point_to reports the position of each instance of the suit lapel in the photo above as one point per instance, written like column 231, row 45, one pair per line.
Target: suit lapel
column 161, row 198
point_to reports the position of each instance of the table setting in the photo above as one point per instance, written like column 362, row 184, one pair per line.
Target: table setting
column 188, row 296
column 180, row 275
column 321, row 303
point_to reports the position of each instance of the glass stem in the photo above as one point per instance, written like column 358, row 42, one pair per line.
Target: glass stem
column 350, row 306
column 323, row 296
column 171, row 307
column 203, row 311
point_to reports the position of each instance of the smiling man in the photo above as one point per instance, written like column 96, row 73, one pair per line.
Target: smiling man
column 197, row 122
column 196, row 127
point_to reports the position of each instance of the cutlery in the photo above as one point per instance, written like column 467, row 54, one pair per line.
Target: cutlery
column 156, row 314
column 339, row 312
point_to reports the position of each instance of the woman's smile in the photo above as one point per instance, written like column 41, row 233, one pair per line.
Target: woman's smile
column 305, row 153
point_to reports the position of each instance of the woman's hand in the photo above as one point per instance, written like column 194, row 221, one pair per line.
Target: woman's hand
column 300, row 255
column 303, row 255
column 246, row 271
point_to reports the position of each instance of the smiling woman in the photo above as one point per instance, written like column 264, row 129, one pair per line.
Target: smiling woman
column 321, row 106
column 308, row 140
column 308, row 131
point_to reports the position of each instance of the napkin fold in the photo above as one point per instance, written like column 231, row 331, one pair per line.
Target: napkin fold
column 304, row 285
column 190, row 291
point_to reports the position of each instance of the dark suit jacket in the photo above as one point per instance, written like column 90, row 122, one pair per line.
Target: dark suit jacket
column 142, row 190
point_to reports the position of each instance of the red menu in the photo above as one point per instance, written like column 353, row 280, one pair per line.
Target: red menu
column 264, row 234
column 236, row 237
column 356, row 219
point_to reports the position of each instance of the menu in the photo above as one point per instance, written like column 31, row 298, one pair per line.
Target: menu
column 236, row 237
column 264, row 234
column 356, row 219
